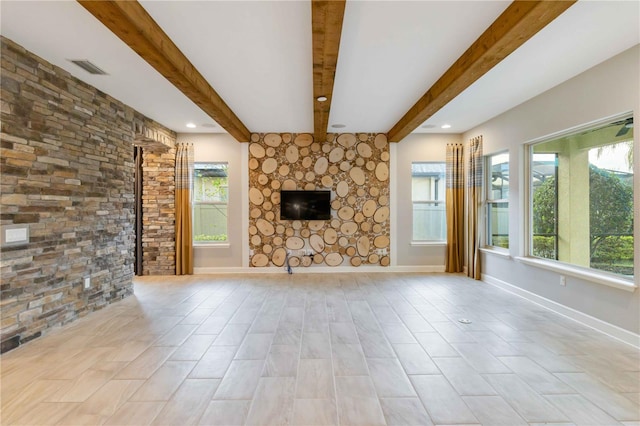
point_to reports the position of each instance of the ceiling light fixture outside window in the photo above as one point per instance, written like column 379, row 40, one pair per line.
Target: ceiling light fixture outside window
column 191, row 125
column 321, row 99
column 338, row 126
column 446, row 126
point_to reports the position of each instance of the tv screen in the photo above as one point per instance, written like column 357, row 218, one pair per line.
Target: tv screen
column 305, row 205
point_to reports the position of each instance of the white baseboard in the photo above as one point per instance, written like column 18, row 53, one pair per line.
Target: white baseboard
column 597, row 324
column 317, row 269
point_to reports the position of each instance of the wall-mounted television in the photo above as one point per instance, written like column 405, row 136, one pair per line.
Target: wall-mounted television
column 305, row 205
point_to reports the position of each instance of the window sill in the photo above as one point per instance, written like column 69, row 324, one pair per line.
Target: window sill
column 496, row 252
column 212, row 245
column 428, row 243
column 574, row 271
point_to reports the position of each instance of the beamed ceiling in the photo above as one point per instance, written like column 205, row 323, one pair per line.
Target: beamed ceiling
column 394, row 67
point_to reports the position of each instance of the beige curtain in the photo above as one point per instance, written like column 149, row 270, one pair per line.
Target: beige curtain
column 184, row 178
column 455, row 208
column 474, row 198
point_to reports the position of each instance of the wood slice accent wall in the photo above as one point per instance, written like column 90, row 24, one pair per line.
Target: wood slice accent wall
column 355, row 167
column 67, row 172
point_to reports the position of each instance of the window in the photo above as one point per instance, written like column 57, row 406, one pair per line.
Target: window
column 210, row 199
column 427, row 194
column 497, row 200
column 582, row 198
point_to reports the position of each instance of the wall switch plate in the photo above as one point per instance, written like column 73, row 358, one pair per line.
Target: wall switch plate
column 87, row 282
column 563, row 280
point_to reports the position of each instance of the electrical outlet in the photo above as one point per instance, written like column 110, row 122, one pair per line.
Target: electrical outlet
column 87, row 282
column 563, row 280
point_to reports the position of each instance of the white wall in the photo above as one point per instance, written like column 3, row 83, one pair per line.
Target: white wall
column 223, row 148
column 415, row 148
column 608, row 89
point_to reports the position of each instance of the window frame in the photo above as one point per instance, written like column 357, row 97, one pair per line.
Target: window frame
column 488, row 200
column 194, row 203
column 427, row 242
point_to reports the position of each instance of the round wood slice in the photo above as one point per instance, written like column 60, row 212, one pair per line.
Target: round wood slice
column 383, row 200
column 253, row 230
column 331, row 137
column 365, row 226
column 381, row 214
column 335, row 204
column 373, row 258
column 275, row 197
column 294, row 243
column 333, row 169
column 280, row 229
column 306, row 261
column 359, row 161
column 327, row 181
column 303, row 139
column 369, row 208
column 374, row 192
column 255, row 137
column 270, row 216
column 345, row 166
column 350, row 155
column 316, row 225
column 317, row 243
column 357, row 174
column 351, row 251
column 363, row 245
column 363, row 136
column 342, row 189
column 307, row 162
column 305, row 233
column 286, row 137
column 330, row 236
column 296, row 224
column 333, row 259
column 269, row 165
column 256, row 150
column 266, row 192
column 277, row 241
column 256, row 240
column 275, row 184
column 267, row 248
column 351, row 200
column 359, row 217
column 255, row 196
column 255, row 213
column 289, row 185
column 278, row 257
column 310, row 187
column 384, row 156
column 364, row 150
column 291, row 154
column 298, row 175
column 382, row 172
column 315, row 147
column 380, row 141
column 360, row 192
column 304, row 152
column 318, row 258
column 266, row 228
column 385, row 261
column 370, row 165
column 321, row 166
column 259, row 260
column 353, row 240
column 272, row 139
column 310, row 176
column 336, row 154
column 347, row 140
column 294, row 261
column 263, row 179
column 253, row 163
column 335, row 224
column 356, row 261
column 284, row 170
column 326, row 148
column 381, row 241
column 271, row 152
column 349, row 228
column 377, row 228
column 346, row 213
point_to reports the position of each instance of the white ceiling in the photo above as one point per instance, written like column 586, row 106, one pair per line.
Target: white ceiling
column 257, row 55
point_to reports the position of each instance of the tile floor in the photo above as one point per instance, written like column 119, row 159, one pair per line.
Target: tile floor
column 357, row 349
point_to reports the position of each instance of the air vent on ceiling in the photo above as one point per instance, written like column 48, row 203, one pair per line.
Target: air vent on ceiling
column 88, row 66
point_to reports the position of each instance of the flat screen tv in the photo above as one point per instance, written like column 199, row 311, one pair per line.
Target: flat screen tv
column 305, row 205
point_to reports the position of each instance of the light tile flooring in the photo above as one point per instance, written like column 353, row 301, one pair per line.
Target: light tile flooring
column 358, row 349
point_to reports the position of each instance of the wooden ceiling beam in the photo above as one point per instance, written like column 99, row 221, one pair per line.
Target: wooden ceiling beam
column 326, row 17
column 132, row 24
column 517, row 24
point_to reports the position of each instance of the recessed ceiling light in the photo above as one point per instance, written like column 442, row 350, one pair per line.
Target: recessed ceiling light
column 338, row 126
column 321, row 99
column 191, row 125
column 428, row 126
column 446, row 126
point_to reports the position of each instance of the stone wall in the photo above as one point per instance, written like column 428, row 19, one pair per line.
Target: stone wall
column 67, row 172
column 354, row 167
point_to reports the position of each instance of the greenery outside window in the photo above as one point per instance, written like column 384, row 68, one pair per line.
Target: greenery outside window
column 210, row 203
column 428, row 197
column 582, row 198
column 497, row 200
